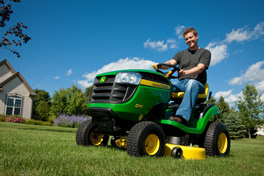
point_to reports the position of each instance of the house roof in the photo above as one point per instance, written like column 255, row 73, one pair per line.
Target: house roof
column 14, row 75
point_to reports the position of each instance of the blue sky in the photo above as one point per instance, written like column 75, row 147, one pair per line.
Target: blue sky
column 72, row 41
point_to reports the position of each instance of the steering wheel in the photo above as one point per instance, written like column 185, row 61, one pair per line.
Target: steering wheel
column 170, row 73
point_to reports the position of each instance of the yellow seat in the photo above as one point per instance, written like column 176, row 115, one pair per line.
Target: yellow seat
column 179, row 95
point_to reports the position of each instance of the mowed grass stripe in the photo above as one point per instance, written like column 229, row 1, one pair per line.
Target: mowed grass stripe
column 39, row 150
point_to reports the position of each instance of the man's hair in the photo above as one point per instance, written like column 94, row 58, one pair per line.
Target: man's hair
column 187, row 30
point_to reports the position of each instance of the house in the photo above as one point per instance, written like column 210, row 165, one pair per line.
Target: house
column 260, row 131
column 15, row 93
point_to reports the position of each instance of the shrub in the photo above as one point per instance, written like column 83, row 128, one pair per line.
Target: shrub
column 73, row 121
column 2, row 118
column 37, row 122
column 15, row 119
column 51, row 119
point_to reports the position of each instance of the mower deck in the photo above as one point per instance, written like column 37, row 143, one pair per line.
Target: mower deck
column 186, row 152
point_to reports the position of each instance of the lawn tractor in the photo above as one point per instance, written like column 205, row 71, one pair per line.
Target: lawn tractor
column 133, row 107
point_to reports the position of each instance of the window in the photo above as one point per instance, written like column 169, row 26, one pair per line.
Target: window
column 13, row 105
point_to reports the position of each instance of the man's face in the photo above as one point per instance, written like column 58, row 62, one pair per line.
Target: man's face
column 191, row 40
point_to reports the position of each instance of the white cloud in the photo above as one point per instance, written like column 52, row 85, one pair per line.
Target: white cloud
column 57, row 77
column 238, row 35
column 218, row 51
column 262, row 97
column 258, row 30
column 172, row 43
column 243, row 34
column 254, row 74
column 236, row 80
column 160, row 45
column 69, row 72
column 228, row 96
column 260, row 87
column 223, row 93
column 178, row 31
column 85, row 83
column 232, row 98
column 127, row 63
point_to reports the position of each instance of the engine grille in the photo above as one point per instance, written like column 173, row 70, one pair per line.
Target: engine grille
column 154, row 77
column 111, row 92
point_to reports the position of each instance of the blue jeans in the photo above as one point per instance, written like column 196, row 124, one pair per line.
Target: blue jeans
column 191, row 89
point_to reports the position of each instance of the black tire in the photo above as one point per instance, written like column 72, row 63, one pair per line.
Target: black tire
column 176, row 152
column 217, row 140
column 85, row 135
column 146, row 139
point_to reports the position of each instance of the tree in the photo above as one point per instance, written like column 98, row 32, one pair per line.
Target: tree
column 223, row 108
column 43, row 110
column 234, row 124
column 251, row 109
column 41, row 105
column 70, row 101
column 212, row 100
column 14, row 36
column 88, row 93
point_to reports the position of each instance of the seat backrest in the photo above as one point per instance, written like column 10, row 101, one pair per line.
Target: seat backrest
column 201, row 97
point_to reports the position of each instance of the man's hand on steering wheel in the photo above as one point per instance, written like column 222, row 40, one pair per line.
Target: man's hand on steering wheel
column 163, row 66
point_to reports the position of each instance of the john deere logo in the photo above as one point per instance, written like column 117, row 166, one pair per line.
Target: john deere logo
column 102, row 80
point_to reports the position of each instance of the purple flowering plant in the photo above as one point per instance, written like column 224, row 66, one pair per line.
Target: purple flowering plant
column 73, row 121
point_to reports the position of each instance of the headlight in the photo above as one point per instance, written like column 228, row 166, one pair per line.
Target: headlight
column 128, row 77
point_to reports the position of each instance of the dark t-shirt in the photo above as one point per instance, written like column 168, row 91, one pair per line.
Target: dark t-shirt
column 188, row 59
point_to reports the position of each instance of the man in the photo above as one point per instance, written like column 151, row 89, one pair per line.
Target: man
column 193, row 63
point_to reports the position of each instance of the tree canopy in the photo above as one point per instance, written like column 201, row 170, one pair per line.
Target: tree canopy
column 88, row 93
column 41, row 105
column 251, row 109
column 69, row 101
column 14, row 35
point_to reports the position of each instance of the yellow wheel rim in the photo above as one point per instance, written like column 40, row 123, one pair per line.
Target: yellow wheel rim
column 96, row 139
column 222, row 143
column 152, row 144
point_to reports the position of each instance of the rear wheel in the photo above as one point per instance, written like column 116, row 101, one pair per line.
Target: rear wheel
column 86, row 135
column 217, row 140
column 146, row 139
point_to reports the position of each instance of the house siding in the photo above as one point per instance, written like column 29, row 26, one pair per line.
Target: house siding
column 13, row 83
column 4, row 72
column 16, row 86
column 2, row 102
column 260, row 131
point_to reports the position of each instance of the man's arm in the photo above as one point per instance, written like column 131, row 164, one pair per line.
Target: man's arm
column 193, row 71
column 172, row 62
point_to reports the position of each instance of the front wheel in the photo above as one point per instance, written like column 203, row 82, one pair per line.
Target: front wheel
column 146, row 139
column 86, row 135
column 217, row 140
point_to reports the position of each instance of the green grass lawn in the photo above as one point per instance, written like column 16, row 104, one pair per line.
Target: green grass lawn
column 38, row 150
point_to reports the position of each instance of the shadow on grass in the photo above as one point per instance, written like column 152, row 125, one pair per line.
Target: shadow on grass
column 107, row 146
column 49, row 130
column 116, row 148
